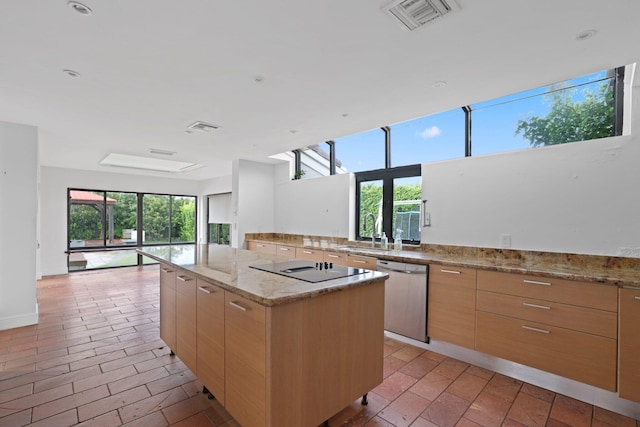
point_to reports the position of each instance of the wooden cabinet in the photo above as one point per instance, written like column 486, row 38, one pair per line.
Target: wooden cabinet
column 168, row 306
column 186, row 319
column 452, row 305
column 564, row 327
column 210, row 338
column 338, row 258
column 266, row 248
column 362, row 262
column 245, row 358
column 310, row 254
column 629, row 345
column 286, row 251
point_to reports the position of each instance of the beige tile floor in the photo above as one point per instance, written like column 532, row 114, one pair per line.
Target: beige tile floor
column 96, row 359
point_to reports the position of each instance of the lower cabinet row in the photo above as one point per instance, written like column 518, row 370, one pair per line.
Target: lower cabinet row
column 584, row 331
column 287, row 365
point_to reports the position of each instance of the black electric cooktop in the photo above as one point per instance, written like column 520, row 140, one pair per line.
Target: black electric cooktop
column 309, row 271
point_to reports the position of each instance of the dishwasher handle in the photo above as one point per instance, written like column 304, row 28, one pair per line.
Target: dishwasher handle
column 384, row 266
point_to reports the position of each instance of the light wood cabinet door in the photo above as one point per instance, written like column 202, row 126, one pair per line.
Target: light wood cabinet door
column 245, row 359
column 583, row 294
column 362, row 262
column 210, row 338
column 286, row 251
column 338, row 258
column 310, row 254
column 186, row 319
column 452, row 305
column 266, row 248
column 168, row 306
column 587, row 358
column 582, row 319
column 629, row 345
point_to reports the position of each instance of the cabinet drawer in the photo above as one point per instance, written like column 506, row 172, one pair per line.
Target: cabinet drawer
column 362, row 262
column 453, row 276
column 168, row 306
column 336, row 257
column 245, row 359
column 452, row 313
column 286, row 251
column 267, row 248
column 629, row 343
column 583, row 294
column 583, row 357
column 589, row 320
column 309, row 254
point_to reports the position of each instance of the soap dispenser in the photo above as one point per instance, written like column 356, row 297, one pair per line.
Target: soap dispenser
column 384, row 241
column 397, row 242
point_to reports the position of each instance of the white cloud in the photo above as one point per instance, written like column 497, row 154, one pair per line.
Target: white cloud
column 431, row 132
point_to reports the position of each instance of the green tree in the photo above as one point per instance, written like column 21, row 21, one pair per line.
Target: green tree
column 370, row 201
column 85, row 222
column 569, row 120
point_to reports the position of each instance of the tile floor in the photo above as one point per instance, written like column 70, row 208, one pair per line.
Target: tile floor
column 96, row 359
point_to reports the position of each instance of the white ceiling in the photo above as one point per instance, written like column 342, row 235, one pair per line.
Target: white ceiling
column 150, row 68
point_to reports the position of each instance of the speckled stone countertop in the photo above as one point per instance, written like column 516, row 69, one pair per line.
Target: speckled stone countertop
column 608, row 270
column 229, row 269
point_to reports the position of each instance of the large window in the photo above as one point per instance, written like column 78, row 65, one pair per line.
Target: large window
column 219, row 216
column 103, row 226
column 581, row 109
column 389, row 201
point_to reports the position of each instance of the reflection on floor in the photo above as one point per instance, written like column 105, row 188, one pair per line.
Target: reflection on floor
column 96, row 359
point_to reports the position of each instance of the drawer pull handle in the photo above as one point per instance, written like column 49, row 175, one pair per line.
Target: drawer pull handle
column 284, row 249
column 185, row 278
column 450, row 271
column 358, row 261
column 332, row 256
column 529, row 328
column 544, row 307
column 166, row 270
column 236, row 305
column 307, row 252
column 637, row 297
column 205, row 290
column 533, row 282
column 260, row 245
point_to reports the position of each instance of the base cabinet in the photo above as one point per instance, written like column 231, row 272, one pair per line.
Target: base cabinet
column 210, row 338
column 186, row 319
column 452, row 305
column 629, row 345
column 168, row 332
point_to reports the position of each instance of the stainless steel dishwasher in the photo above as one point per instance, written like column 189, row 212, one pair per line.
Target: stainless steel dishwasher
column 406, row 294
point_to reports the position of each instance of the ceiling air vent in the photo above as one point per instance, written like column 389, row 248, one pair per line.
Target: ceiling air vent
column 413, row 14
column 202, row 127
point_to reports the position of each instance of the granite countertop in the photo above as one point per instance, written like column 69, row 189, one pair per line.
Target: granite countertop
column 229, row 268
column 607, row 270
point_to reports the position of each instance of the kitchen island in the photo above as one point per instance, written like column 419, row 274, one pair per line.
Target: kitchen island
column 275, row 351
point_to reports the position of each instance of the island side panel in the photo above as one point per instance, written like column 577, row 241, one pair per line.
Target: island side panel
column 323, row 353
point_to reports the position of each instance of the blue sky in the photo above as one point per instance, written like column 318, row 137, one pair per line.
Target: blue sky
column 441, row 136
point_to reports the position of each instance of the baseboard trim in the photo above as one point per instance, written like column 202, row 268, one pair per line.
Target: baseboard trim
column 577, row 390
column 19, row 321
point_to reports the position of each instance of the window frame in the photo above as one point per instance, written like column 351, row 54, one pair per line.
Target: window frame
column 139, row 219
column 387, row 176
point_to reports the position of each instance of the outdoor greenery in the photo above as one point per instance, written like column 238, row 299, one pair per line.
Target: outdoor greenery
column 371, row 199
column 570, row 120
column 86, row 220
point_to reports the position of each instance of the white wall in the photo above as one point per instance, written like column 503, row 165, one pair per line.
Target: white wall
column 18, row 225
column 315, row 206
column 53, row 194
column 252, row 199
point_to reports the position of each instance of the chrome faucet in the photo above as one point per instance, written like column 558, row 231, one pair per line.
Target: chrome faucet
column 373, row 227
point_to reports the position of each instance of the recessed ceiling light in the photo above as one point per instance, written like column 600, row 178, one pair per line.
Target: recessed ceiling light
column 201, row 127
column 71, row 73
column 258, row 79
column 80, row 8
column 439, row 84
column 293, row 131
column 585, row 35
column 160, row 151
column 148, row 163
column 345, row 114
